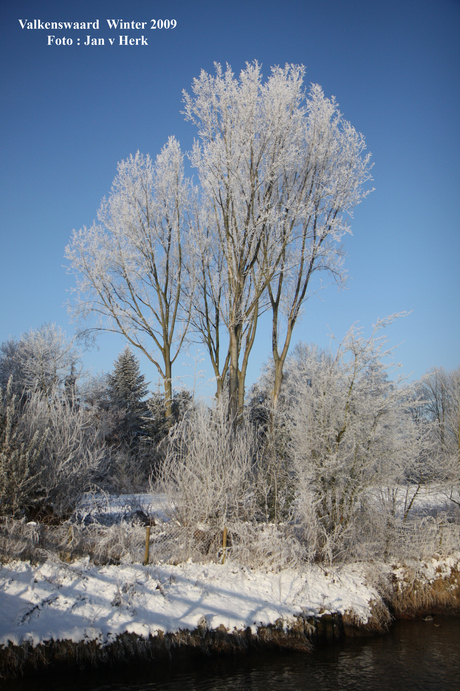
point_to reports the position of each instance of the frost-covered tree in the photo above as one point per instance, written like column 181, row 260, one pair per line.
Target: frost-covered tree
column 127, row 386
column 342, row 455
column 129, row 266
column 439, row 392
column 94, row 396
column 277, row 172
column 353, row 439
column 330, row 172
column 41, row 359
column 10, row 364
column 248, row 135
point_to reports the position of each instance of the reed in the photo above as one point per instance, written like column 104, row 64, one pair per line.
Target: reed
column 415, row 595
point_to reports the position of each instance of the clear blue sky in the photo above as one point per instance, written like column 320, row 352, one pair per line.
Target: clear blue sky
column 70, row 113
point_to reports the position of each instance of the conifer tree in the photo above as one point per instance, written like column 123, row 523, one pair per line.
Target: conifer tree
column 127, row 389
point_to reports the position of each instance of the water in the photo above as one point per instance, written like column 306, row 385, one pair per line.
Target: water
column 413, row 655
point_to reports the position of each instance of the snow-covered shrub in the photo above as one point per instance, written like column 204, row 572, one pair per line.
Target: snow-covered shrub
column 265, row 545
column 18, row 539
column 50, row 454
column 19, row 454
column 208, row 470
column 73, row 453
column 351, row 430
column 122, row 542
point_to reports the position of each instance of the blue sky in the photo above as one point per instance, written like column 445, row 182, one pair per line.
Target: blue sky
column 70, row 113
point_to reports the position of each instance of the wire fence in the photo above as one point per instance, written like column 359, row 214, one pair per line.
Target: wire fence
column 246, row 543
column 422, row 539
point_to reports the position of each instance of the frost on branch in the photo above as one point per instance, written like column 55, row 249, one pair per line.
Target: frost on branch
column 50, row 454
column 207, row 474
column 280, row 172
column 130, row 265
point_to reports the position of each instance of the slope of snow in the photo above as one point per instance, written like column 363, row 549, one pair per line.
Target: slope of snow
column 78, row 602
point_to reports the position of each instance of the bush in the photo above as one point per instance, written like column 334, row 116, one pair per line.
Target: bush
column 208, row 470
column 352, row 430
column 51, row 452
column 20, row 452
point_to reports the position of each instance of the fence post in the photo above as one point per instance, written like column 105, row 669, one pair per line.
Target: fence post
column 224, row 545
column 147, row 545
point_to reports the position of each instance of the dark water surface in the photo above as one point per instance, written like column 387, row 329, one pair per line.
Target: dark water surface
column 413, row 655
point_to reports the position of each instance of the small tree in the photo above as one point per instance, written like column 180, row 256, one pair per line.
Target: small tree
column 127, row 390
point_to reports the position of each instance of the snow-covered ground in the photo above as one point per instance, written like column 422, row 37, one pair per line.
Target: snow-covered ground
column 78, row 602
column 108, row 509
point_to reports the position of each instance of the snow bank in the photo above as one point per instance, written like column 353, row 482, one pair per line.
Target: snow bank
column 81, row 602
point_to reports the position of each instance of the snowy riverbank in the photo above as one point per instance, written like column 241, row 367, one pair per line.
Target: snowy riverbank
column 85, row 606
column 79, row 601
column 62, row 608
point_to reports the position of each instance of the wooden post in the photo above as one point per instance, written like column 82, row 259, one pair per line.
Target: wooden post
column 147, row 545
column 224, row 545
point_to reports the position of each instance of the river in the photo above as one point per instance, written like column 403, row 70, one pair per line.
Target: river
column 412, row 655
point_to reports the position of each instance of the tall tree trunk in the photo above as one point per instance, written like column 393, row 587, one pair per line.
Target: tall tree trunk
column 279, row 358
column 249, row 342
column 233, row 375
column 167, row 382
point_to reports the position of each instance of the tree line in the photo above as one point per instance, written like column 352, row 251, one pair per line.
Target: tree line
column 63, row 432
column 344, row 458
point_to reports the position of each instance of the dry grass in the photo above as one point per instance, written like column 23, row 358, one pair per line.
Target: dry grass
column 27, row 660
column 379, row 621
column 414, row 595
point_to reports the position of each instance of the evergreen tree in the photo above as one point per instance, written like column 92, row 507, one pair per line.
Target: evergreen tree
column 127, row 389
